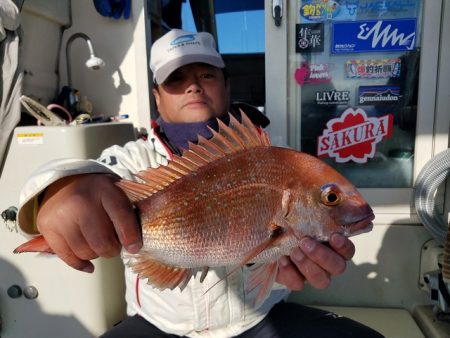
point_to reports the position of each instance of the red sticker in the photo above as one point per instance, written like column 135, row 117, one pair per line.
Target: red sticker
column 354, row 136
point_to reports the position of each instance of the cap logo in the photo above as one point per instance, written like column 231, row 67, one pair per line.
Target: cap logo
column 183, row 38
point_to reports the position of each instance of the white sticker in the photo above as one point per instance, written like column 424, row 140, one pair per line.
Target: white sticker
column 30, row 138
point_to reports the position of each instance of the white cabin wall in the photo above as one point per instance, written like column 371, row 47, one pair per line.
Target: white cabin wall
column 41, row 22
column 121, row 87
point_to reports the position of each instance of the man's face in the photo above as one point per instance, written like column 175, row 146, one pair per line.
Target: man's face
column 193, row 93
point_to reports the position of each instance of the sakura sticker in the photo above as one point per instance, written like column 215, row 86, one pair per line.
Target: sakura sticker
column 353, row 136
column 315, row 73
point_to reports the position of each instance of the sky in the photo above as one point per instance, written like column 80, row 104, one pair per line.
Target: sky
column 238, row 32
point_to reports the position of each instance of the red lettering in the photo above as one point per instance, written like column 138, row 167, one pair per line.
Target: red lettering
column 369, row 131
column 358, row 135
column 323, row 145
column 335, row 141
column 346, row 137
column 381, row 130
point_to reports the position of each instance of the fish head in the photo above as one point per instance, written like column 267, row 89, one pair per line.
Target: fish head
column 325, row 202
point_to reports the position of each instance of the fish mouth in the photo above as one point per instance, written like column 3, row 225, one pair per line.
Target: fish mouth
column 360, row 226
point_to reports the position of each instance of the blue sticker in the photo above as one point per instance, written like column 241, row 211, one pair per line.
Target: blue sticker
column 378, row 95
column 371, row 9
column 373, row 36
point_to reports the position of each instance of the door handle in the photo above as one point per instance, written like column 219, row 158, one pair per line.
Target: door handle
column 277, row 11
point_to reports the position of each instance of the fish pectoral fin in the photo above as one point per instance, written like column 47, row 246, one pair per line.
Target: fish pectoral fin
column 276, row 233
column 261, row 276
column 159, row 275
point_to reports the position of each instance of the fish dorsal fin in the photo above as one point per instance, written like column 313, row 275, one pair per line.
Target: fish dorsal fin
column 234, row 138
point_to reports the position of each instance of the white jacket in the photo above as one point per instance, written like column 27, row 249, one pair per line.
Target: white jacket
column 223, row 311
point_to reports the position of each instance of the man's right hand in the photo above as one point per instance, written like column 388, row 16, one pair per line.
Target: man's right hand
column 87, row 216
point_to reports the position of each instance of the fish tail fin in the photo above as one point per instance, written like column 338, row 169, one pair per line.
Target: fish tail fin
column 159, row 275
column 37, row 244
column 261, row 277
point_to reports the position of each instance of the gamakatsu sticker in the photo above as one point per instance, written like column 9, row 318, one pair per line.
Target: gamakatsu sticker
column 354, row 136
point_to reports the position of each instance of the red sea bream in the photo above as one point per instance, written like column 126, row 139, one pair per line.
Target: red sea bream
column 234, row 200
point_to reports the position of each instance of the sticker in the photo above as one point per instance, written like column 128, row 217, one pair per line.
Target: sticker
column 381, row 8
column 349, row 10
column 373, row 36
column 315, row 73
column 309, row 37
column 354, row 136
column 372, row 69
column 319, row 10
column 30, row 138
column 333, row 97
column 378, row 95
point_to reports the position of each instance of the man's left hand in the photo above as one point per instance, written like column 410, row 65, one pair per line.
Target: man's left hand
column 315, row 263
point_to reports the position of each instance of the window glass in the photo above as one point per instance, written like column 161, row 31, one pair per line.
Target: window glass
column 240, row 25
column 355, row 67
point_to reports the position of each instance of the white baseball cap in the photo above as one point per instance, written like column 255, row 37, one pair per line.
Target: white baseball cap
column 178, row 48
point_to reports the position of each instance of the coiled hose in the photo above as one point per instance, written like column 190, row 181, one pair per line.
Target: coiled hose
column 432, row 175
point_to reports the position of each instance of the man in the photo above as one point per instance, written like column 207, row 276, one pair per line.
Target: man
column 83, row 215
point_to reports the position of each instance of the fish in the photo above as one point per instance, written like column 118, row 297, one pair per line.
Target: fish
column 235, row 200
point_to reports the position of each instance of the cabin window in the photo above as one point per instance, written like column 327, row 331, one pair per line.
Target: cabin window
column 354, row 100
column 354, row 83
column 240, row 34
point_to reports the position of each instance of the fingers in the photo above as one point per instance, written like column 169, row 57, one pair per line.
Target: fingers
column 124, row 221
column 322, row 256
column 87, row 216
column 61, row 248
column 343, row 246
column 289, row 275
column 315, row 274
column 315, row 263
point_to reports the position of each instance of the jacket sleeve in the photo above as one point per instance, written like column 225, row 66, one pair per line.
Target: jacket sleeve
column 120, row 161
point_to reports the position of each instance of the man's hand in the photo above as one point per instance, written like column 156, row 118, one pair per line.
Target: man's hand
column 86, row 216
column 315, row 263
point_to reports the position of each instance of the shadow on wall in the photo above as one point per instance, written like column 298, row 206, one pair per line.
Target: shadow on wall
column 22, row 317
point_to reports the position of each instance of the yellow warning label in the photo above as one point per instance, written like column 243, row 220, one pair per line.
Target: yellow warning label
column 30, row 135
column 30, row 138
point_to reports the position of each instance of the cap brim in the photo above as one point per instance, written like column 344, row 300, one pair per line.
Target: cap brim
column 163, row 72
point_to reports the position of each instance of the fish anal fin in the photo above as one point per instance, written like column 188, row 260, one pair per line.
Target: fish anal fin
column 204, row 273
column 261, row 277
column 158, row 274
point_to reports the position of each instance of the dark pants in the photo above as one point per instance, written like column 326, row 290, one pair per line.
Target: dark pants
column 285, row 320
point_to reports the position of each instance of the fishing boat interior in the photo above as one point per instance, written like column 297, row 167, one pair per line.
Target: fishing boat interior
column 361, row 84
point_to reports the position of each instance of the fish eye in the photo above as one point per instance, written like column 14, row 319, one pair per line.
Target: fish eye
column 331, row 195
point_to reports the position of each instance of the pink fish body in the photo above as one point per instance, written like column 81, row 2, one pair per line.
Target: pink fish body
column 234, row 200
